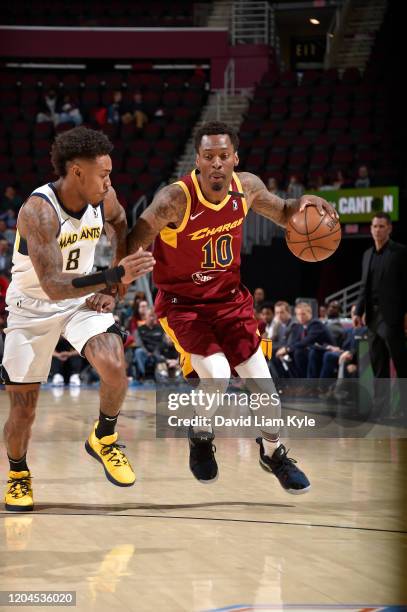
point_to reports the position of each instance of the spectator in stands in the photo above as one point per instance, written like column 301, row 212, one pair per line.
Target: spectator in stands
column 116, row 109
column 383, row 302
column 7, row 234
column 283, row 322
column 282, row 327
column 132, row 309
column 261, row 325
column 295, row 188
column 334, row 323
column 309, row 333
column 363, row 179
column 337, row 333
column 170, row 367
column 66, row 365
column 258, row 297
column 341, row 361
column 139, row 315
column 272, row 186
column 149, row 342
column 68, row 112
column 11, row 202
column 320, row 183
column 339, row 181
column 5, row 258
column 267, row 315
column 48, row 108
column 136, row 112
column 322, row 313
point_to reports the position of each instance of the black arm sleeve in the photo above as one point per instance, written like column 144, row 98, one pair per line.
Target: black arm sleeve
column 108, row 277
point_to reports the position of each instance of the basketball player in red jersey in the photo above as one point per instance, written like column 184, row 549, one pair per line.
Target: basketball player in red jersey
column 197, row 227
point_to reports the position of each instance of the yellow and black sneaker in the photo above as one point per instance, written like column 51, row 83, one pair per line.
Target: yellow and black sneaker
column 115, row 463
column 19, row 494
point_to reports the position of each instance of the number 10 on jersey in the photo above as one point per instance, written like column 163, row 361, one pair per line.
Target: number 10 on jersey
column 218, row 252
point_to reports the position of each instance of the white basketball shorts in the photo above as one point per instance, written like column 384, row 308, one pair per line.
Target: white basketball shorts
column 33, row 330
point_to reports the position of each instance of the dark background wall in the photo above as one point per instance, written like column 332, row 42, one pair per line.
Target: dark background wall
column 283, row 276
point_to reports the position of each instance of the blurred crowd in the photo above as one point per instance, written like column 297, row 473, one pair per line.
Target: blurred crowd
column 64, row 109
column 309, row 344
column 336, row 180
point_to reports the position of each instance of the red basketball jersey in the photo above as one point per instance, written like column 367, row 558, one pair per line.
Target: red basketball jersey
column 200, row 259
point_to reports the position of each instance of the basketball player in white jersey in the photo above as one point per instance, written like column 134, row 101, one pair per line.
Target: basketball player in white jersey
column 57, row 231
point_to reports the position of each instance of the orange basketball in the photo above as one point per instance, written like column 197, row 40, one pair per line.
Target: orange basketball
column 312, row 236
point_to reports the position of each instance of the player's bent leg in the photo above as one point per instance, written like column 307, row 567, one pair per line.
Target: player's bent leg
column 214, row 372
column 273, row 455
column 17, row 433
column 214, row 366
column 105, row 353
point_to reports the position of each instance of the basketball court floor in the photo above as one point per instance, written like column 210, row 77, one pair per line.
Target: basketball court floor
column 171, row 544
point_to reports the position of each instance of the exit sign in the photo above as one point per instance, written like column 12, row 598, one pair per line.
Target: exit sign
column 307, row 52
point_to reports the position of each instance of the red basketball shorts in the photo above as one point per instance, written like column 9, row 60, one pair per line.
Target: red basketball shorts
column 228, row 327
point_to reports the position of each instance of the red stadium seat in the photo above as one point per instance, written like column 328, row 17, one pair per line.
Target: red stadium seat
column 278, row 111
column 4, row 163
column 342, row 157
column 20, row 147
column 135, row 165
column 313, row 126
column 351, row 76
column 337, row 125
column 319, row 109
column 299, row 110
column 23, row 165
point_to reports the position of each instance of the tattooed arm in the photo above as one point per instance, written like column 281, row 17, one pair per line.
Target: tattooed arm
column 167, row 208
column 115, row 226
column 39, row 225
column 261, row 201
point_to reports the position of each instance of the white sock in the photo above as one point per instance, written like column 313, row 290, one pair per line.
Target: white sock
column 270, row 447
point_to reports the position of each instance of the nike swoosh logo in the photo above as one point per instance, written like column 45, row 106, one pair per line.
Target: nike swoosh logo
column 192, row 217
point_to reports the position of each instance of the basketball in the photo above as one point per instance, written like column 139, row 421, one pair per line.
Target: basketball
column 311, row 236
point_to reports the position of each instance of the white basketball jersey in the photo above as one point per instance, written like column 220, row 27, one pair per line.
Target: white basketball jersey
column 77, row 237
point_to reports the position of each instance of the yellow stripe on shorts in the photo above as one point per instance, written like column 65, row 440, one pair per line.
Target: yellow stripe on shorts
column 267, row 347
column 185, row 358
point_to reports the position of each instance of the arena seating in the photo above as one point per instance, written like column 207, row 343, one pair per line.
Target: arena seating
column 101, row 13
column 142, row 159
column 323, row 122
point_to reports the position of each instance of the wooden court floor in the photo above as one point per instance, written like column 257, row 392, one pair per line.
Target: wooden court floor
column 171, row 544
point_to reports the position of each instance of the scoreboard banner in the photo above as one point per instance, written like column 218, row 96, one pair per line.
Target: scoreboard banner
column 359, row 205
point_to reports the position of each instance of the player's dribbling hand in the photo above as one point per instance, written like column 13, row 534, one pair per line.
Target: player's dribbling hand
column 136, row 265
column 101, row 302
column 322, row 205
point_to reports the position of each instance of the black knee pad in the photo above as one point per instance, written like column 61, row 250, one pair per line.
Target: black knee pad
column 5, row 378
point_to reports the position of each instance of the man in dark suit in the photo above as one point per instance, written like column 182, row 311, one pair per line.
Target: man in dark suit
column 308, row 333
column 383, row 301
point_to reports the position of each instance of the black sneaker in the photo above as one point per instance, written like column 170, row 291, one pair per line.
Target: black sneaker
column 202, row 462
column 289, row 476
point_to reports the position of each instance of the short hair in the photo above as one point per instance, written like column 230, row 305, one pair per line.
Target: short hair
column 304, row 306
column 283, row 304
column 213, row 128
column 78, row 142
column 268, row 305
column 382, row 215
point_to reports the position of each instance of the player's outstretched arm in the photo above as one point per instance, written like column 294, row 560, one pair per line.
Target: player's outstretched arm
column 167, row 208
column 115, row 226
column 38, row 224
column 261, row 201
